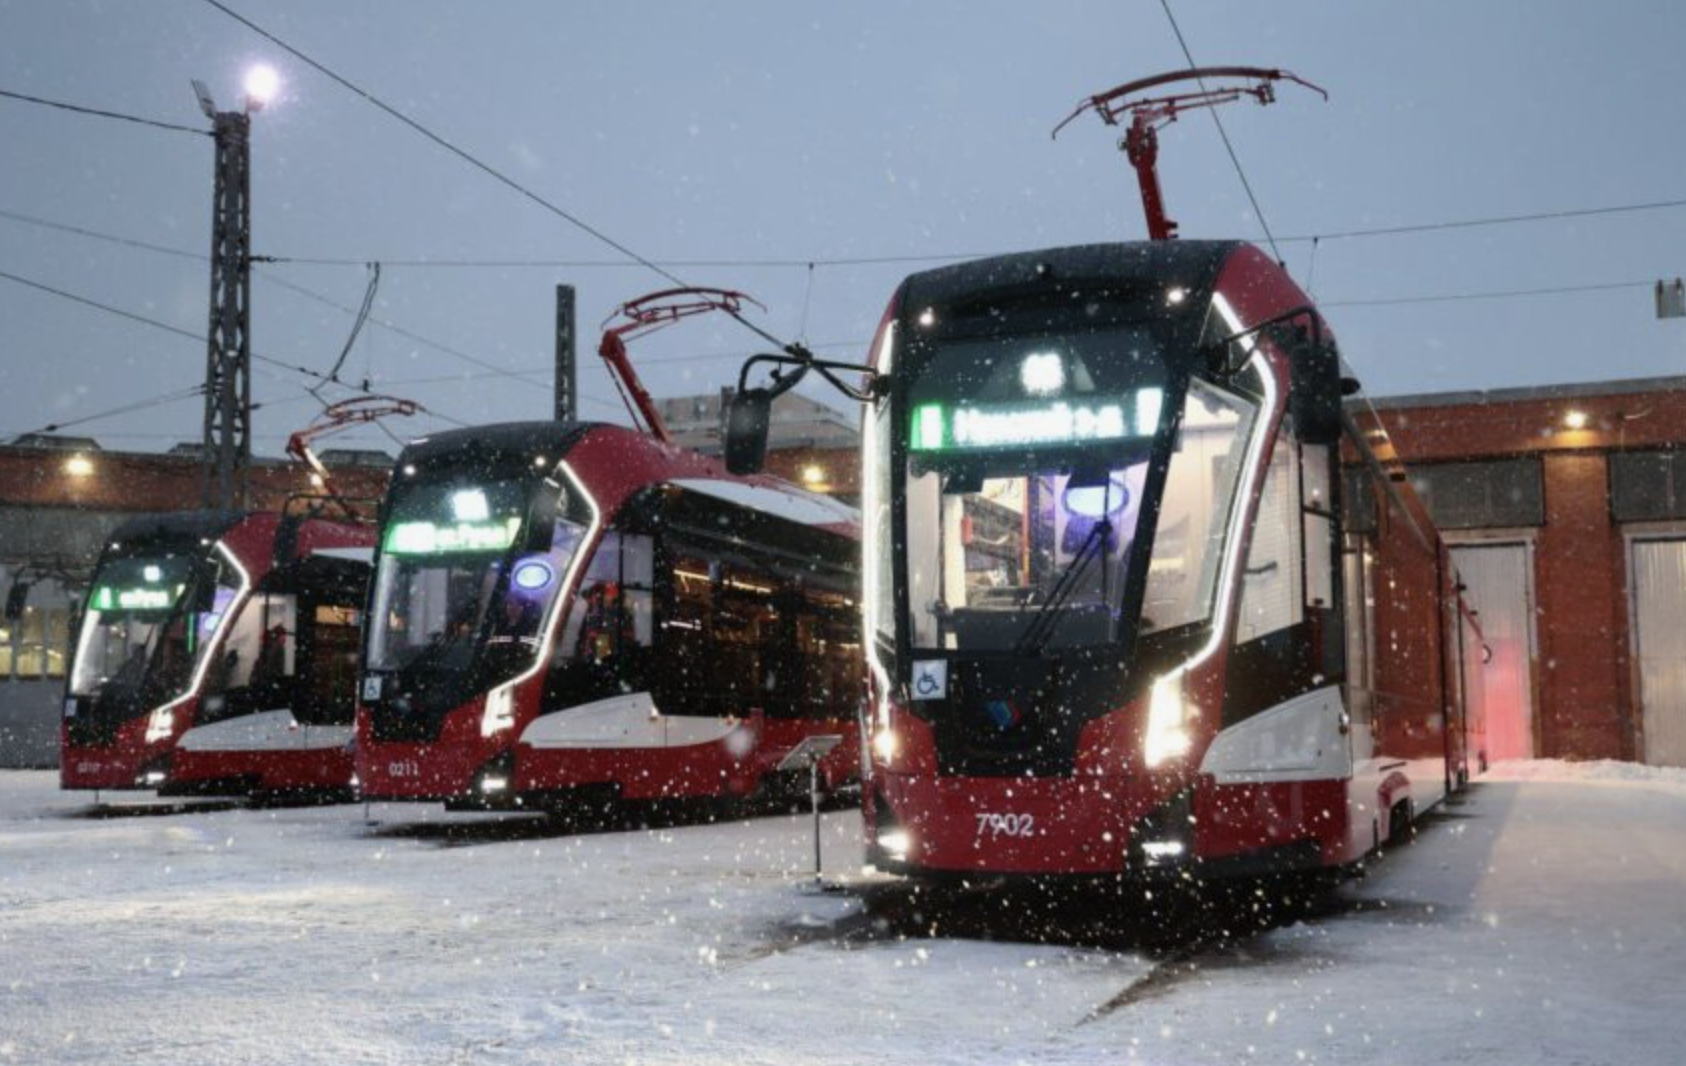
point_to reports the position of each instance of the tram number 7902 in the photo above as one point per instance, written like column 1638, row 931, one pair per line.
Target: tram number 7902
column 1005, row 825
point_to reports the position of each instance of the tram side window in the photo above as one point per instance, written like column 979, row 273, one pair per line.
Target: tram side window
column 1271, row 598
column 331, row 670
column 721, row 622
column 826, row 654
column 1319, row 517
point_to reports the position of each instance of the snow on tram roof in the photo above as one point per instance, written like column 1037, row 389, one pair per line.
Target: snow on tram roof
column 796, row 505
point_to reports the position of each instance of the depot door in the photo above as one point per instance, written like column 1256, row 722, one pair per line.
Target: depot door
column 1499, row 585
column 1658, row 569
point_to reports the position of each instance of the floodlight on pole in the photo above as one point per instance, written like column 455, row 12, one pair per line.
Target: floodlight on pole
column 262, row 85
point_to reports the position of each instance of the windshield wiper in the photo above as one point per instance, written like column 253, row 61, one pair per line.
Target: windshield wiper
column 1042, row 626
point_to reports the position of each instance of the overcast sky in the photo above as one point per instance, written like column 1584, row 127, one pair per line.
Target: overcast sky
column 797, row 130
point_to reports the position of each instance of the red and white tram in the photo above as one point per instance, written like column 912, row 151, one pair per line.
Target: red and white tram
column 1109, row 626
column 217, row 654
column 568, row 610
column 1122, row 533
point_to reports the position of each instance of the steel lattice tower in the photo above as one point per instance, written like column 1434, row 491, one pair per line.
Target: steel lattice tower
column 228, row 357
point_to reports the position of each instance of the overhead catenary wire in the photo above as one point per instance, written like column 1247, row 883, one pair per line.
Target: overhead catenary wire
column 821, row 262
column 361, row 317
column 162, row 399
column 1234, row 159
column 479, row 164
column 1496, row 294
column 523, row 374
column 185, row 333
column 271, row 278
column 102, row 113
column 805, row 263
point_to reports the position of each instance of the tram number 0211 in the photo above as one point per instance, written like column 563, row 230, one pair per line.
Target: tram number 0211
column 994, row 825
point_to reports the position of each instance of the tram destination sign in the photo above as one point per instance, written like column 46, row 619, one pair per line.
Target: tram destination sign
column 139, row 598
column 444, row 538
column 939, row 427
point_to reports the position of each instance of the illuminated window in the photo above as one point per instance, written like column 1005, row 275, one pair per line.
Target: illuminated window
column 57, row 644
column 5, row 650
column 31, row 653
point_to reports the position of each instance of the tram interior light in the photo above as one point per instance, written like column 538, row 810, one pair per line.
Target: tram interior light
column 493, row 783
column 1097, row 501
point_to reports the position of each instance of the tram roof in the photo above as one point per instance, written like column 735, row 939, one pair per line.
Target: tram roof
column 1192, row 264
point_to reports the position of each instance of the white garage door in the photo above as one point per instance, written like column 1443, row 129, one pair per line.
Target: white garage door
column 1659, row 615
column 1498, row 583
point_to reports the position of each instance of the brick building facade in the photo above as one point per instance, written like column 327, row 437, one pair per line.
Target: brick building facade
column 1566, row 507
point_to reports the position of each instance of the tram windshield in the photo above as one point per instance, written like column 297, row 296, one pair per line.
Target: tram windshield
column 150, row 620
column 468, row 573
column 1028, row 485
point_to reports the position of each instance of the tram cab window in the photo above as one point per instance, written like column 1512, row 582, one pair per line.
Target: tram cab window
column 1271, row 597
column 1194, row 513
column 614, row 608
column 256, row 659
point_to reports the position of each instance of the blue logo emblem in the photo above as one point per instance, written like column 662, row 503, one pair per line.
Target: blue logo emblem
column 1003, row 714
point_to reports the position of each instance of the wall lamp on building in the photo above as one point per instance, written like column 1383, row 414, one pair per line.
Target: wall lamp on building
column 813, row 474
column 1575, row 420
column 79, row 466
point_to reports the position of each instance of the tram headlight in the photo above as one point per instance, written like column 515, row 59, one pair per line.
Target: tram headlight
column 885, row 744
column 500, row 711
column 894, row 843
column 160, row 725
column 1168, row 719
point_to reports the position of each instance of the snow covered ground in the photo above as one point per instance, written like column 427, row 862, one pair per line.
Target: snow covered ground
column 1540, row 920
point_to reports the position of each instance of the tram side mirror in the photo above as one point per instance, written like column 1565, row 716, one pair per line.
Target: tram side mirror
column 749, row 414
column 1316, row 398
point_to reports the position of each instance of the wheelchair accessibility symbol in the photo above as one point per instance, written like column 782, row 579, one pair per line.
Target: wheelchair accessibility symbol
column 930, row 679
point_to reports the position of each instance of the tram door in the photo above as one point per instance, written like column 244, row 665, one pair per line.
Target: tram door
column 1658, row 579
column 1499, row 585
